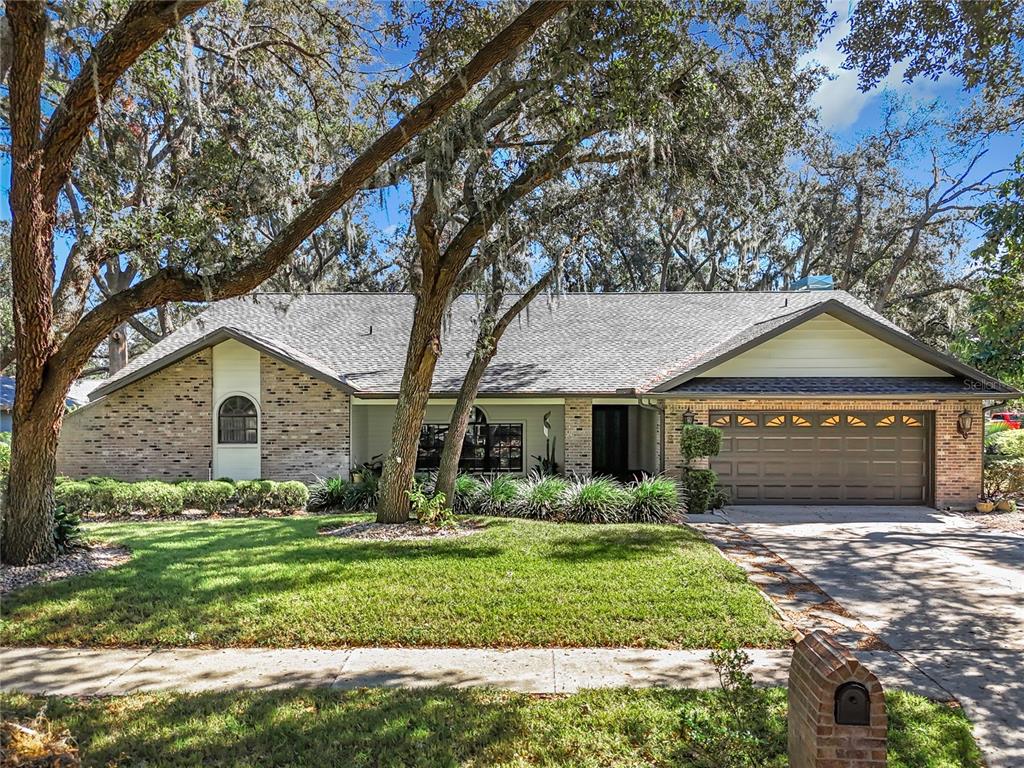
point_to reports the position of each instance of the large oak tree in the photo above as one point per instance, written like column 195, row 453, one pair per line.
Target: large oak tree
column 54, row 338
column 614, row 83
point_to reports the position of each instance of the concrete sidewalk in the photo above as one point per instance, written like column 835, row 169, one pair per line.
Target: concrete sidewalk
column 90, row 672
column 86, row 672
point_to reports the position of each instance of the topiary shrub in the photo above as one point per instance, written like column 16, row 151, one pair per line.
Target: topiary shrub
column 254, row 494
column 208, row 495
column 289, row 495
column 327, row 493
column 654, row 500
column 597, row 500
column 700, row 441
column 543, row 497
column 466, row 492
column 701, row 491
column 499, row 496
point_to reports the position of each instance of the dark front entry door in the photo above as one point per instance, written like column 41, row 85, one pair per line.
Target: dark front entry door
column 610, row 440
column 836, row 457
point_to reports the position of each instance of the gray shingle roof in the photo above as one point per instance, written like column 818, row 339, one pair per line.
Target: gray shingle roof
column 824, row 385
column 576, row 343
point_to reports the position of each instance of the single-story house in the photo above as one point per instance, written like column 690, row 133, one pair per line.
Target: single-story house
column 79, row 395
column 820, row 398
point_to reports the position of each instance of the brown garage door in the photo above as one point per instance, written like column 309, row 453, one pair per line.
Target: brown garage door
column 834, row 457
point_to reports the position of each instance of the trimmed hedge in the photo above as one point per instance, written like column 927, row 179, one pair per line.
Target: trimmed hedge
column 289, row 495
column 209, row 495
column 105, row 496
column 254, row 494
column 74, row 495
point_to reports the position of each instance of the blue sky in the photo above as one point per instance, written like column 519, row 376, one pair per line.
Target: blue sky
column 848, row 114
column 844, row 111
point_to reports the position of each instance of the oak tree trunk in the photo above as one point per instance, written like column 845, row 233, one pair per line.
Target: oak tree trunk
column 28, row 517
column 448, row 469
column 486, row 348
column 421, row 359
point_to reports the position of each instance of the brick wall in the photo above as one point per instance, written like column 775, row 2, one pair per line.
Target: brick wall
column 306, row 427
column 579, row 420
column 160, row 427
column 958, row 462
column 819, row 666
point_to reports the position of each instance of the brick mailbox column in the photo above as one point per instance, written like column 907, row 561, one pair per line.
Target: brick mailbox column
column 836, row 708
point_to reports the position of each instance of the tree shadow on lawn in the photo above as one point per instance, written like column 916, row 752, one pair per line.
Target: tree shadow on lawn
column 223, row 582
column 405, row 727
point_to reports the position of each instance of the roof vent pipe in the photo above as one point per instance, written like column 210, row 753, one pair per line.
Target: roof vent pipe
column 813, row 283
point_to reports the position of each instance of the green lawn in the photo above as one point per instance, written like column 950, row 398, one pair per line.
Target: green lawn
column 516, row 583
column 471, row 727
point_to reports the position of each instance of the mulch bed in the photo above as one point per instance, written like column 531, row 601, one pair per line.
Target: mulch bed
column 93, row 557
column 1012, row 522
column 411, row 531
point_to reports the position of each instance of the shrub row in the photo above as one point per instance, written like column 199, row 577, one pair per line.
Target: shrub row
column 578, row 500
column 105, row 496
column 1004, row 474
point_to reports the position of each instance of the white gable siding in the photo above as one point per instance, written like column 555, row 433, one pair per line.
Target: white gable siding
column 236, row 371
column 824, row 346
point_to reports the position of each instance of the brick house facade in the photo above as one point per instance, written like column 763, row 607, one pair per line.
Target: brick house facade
column 162, row 427
column 157, row 429
column 597, row 380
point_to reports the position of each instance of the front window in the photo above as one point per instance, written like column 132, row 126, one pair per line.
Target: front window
column 237, row 421
column 486, row 447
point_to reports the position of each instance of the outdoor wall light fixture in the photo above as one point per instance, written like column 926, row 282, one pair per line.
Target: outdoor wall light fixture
column 689, row 417
column 964, row 422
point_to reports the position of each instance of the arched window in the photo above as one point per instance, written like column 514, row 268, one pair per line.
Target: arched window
column 237, row 421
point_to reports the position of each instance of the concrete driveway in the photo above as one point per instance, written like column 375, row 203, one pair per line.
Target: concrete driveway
column 944, row 592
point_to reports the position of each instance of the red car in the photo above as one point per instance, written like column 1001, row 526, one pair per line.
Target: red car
column 1011, row 420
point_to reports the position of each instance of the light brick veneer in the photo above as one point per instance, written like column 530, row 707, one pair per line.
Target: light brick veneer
column 819, row 666
column 160, row 427
column 958, row 462
column 579, row 420
column 305, row 429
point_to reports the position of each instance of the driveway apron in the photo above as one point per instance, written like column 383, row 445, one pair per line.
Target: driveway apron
column 941, row 590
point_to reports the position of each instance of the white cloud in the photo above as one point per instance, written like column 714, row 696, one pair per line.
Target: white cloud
column 838, row 99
